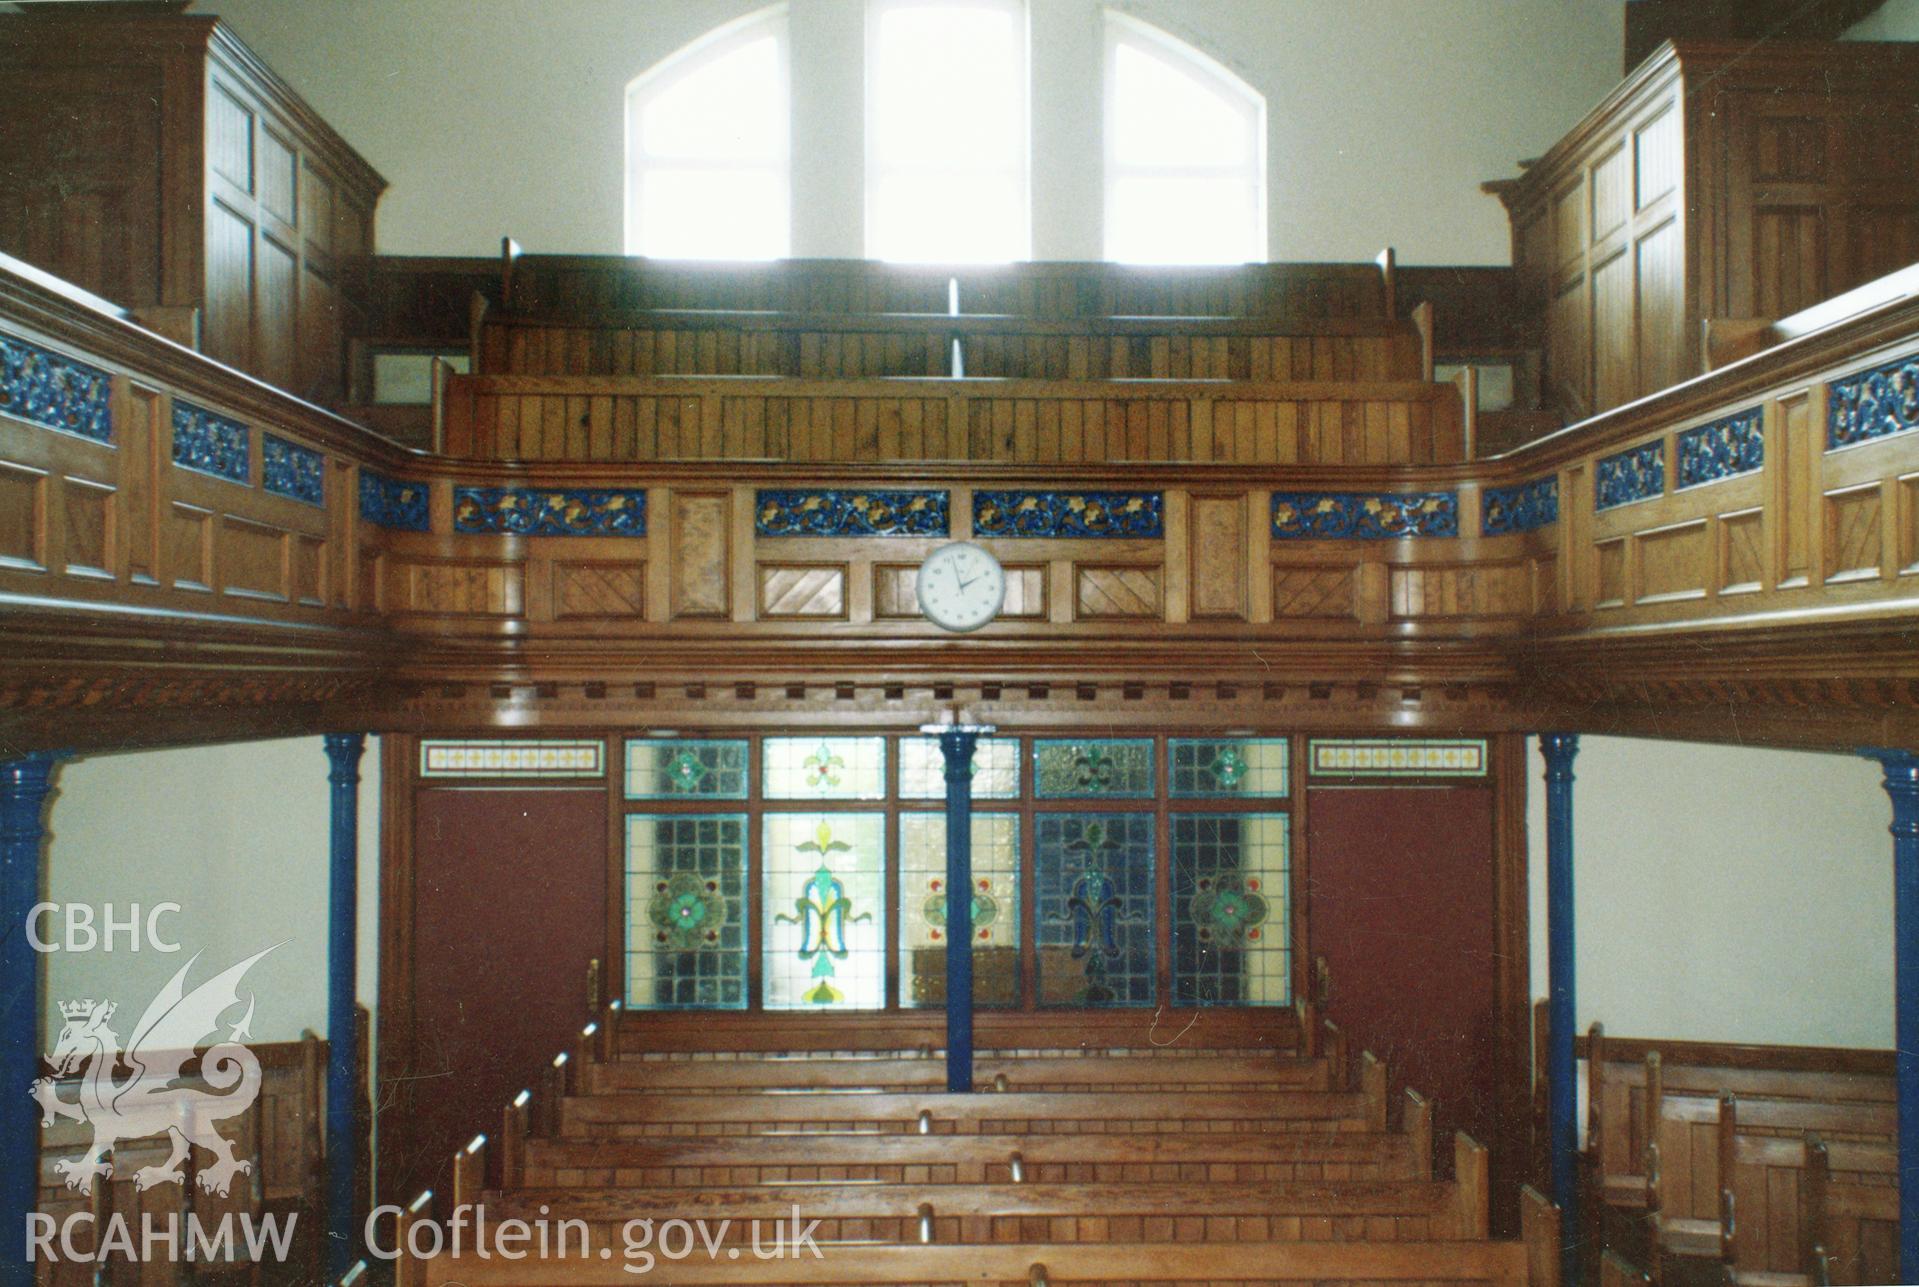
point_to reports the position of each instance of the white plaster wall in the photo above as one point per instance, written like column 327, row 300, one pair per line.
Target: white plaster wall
column 237, row 835
column 495, row 117
column 1899, row 20
column 1724, row 893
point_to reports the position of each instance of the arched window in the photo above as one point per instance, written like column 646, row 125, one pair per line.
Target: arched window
column 946, row 131
column 1185, row 153
column 708, row 148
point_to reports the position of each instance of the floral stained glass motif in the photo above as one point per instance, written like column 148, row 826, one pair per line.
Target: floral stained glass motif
column 1225, row 768
column 1094, row 768
column 1094, row 931
column 1231, row 942
column 823, row 768
column 685, row 922
column 680, row 769
column 824, row 942
column 994, row 906
column 995, row 769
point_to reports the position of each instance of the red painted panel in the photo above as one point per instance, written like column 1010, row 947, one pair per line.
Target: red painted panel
column 1401, row 904
column 509, row 907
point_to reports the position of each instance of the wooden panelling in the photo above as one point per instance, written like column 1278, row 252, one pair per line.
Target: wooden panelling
column 788, row 590
column 1611, row 581
column 1742, row 552
column 701, row 528
column 611, row 590
column 88, row 536
column 306, row 570
column 23, row 517
column 1217, row 550
column 1313, row 592
column 1488, row 590
column 253, row 559
column 1854, row 533
column 1673, row 563
column 1105, row 592
column 461, row 589
column 190, row 546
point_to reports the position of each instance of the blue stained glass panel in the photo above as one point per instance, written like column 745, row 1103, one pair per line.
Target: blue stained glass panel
column 1093, row 768
column 1231, row 944
column 685, row 912
column 1094, row 930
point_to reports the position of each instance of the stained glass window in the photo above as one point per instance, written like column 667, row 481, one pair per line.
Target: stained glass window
column 1093, row 768
column 470, row 758
column 663, row 769
column 824, row 929
column 995, row 909
column 1231, row 944
column 1398, row 757
column 995, row 769
column 685, row 911
column 824, row 768
column 1225, row 767
column 1094, row 932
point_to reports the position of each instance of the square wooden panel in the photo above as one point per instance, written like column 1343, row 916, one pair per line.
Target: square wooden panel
column 1611, row 590
column 895, row 587
column 253, row 559
column 23, row 518
column 1909, row 524
column 1742, row 552
column 1854, row 533
column 190, row 547
column 1323, row 593
column 89, row 528
column 1125, row 593
column 699, row 536
column 1673, row 563
column 599, row 590
column 809, row 590
column 462, row 589
column 1611, row 193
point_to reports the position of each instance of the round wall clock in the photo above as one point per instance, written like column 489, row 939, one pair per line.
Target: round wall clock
column 961, row 586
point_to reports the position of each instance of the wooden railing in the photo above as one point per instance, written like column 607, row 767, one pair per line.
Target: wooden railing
column 1519, row 573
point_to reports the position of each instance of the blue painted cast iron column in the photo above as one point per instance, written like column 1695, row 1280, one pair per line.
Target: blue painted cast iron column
column 24, row 786
column 1562, row 1092
column 342, row 1129
column 957, row 744
column 1902, row 784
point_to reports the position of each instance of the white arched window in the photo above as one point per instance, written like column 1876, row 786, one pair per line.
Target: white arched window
column 708, row 147
column 946, row 131
column 1185, row 153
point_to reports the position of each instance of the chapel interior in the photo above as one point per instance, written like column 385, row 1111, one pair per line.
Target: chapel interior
column 1377, row 539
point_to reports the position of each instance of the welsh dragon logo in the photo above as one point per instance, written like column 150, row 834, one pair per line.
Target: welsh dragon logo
column 148, row 1103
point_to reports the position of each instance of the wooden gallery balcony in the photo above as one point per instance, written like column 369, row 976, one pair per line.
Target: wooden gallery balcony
column 1268, row 515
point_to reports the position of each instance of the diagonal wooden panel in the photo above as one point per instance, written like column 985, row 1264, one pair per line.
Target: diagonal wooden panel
column 802, row 591
column 599, row 590
column 1312, row 592
column 1742, row 553
column 1853, row 534
column 1106, row 592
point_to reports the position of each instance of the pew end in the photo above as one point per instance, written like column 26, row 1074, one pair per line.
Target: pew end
column 1539, row 1233
column 1472, row 1193
column 1417, row 1120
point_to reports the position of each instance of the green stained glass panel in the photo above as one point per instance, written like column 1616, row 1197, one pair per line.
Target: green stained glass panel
column 685, row 900
column 1231, row 936
column 1093, row 877
column 995, row 769
column 823, row 768
column 995, row 909
column 685, row 769
column 1227, row 767
column 1094, row 768
column 824, row 935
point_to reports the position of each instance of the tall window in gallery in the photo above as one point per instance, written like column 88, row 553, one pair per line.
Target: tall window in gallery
column 708, row 147
column 1185, row 153
column 946, row 131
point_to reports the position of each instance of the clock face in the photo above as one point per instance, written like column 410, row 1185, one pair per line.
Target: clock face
column 961, row 586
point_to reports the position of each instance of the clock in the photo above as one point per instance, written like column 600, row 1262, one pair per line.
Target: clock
column 961, row 587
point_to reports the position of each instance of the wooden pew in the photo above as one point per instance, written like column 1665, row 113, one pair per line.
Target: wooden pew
column 1212, row 1072
column 639, row 1114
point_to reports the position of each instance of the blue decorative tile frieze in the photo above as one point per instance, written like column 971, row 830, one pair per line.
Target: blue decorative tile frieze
column 532, row 511
column 1635, row 474
column 1070, row 514
column 1525, row 508
column 393, row 503
column 209, row 443
column 865, row 512
column 288, row 469
column 1873, row 404
column 54, row 391
column 1338, row 516
column 1726, row 448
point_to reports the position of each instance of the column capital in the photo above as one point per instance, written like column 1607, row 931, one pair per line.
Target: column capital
column 1559, row 750
column 1901, row 768
column 343, row 751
